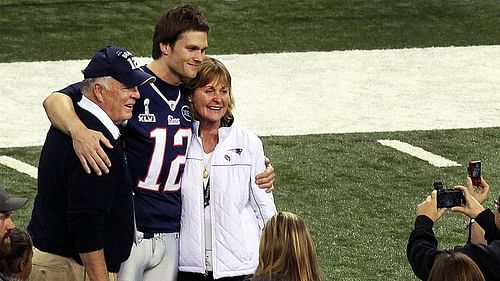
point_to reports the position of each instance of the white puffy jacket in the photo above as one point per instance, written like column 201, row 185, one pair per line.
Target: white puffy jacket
column 239, row 207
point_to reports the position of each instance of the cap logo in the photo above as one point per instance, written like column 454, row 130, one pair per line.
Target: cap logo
column 129, row 57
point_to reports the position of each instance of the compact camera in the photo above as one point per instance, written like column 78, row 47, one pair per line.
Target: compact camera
column 448, row 197
column 474, row 171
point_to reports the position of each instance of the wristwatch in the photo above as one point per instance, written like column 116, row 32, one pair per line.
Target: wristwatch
column 468, row 223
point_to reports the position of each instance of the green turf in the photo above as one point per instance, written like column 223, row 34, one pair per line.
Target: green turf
column 357, row 196
column 47, row 30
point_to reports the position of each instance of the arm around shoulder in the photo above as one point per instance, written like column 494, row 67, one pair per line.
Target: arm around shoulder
column 86, row 143
column 61, row 113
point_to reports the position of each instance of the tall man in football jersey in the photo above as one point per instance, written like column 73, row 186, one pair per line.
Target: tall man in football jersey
column 156, row 139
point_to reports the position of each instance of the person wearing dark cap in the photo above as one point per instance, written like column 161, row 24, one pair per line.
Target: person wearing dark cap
column 82, row 225
column 7, row 205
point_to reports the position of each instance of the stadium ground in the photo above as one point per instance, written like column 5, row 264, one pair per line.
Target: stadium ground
column 306, row 93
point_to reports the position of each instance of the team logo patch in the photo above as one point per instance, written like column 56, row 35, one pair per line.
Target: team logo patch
column 146, row 116
column 173, row 120
column 236, row 150
column 186, row 113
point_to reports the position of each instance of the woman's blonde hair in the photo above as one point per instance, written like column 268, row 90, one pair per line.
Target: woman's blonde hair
column 211, row 70
column 454, row 266
column 287, row 251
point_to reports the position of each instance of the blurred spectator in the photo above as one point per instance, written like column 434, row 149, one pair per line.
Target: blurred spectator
column 15, row 263
column 287, row 251
column 7, row 205
column 422, row 244
column 454, row 266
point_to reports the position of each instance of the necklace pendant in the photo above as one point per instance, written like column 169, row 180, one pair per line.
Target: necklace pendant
column 205, row 173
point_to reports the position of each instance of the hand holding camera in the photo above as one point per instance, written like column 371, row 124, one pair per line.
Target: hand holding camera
column 429, row 207
column 448, row 197
column 473, row 207
column 479, row 192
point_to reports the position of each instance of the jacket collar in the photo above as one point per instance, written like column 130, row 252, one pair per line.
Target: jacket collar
column 223, row 131
column 95, row 110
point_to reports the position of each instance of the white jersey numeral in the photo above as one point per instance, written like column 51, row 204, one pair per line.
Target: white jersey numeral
column 155, row 167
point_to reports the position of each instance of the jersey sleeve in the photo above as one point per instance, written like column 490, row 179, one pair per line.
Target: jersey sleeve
column 74, row 91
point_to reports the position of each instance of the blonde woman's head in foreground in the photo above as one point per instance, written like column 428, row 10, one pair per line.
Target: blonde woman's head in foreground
column 287, row 251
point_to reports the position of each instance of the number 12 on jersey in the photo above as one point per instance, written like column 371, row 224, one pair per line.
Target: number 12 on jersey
column 151, row 182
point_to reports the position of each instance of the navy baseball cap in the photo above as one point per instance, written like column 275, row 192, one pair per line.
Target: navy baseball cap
column 8, row 203
column 118, row 63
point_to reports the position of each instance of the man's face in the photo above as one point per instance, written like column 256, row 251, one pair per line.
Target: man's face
column 187, row 53
column 6, row 225
column 118, row 100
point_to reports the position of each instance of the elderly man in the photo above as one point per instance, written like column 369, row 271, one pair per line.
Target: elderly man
column 422, row 244
column 82, row 225
column 7, row 205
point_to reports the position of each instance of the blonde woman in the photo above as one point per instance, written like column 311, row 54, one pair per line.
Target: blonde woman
column 287, row 251
column 223, row 209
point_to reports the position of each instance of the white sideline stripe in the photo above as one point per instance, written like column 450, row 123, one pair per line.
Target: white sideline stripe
column 19, row 166
column 420, row 153
column 358, row 91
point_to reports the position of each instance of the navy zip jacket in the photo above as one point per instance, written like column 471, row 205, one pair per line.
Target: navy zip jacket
column 75, row 212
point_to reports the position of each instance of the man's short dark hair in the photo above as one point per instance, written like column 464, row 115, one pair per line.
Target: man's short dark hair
column 173, row 23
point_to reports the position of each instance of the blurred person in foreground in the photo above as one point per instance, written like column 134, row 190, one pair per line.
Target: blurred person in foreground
column 454, row 266
column 422, row 244
column 15, row 263
column 82, row 224
column 287, row 251
column 7, row 205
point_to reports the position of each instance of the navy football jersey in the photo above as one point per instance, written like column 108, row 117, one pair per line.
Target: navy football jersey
column 156, row 140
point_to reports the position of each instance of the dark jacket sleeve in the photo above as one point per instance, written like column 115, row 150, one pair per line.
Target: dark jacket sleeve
column 486, row 219
column 90, row 198
column 422, row 247
column 73, row 91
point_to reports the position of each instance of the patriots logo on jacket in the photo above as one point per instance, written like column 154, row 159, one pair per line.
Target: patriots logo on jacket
column 236, row 150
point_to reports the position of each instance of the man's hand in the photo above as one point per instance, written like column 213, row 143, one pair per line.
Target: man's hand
column 87, row 146
column 86, row 143
column 480, row 192
column 429, row 207
column 472, row 207
column 265, row 180
column 95, row 265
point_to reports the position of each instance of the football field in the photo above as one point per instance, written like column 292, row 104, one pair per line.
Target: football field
column 358, row 114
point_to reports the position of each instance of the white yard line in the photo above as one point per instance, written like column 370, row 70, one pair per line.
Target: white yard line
column 420, row 153
column 19, row 166
column 306, row 93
